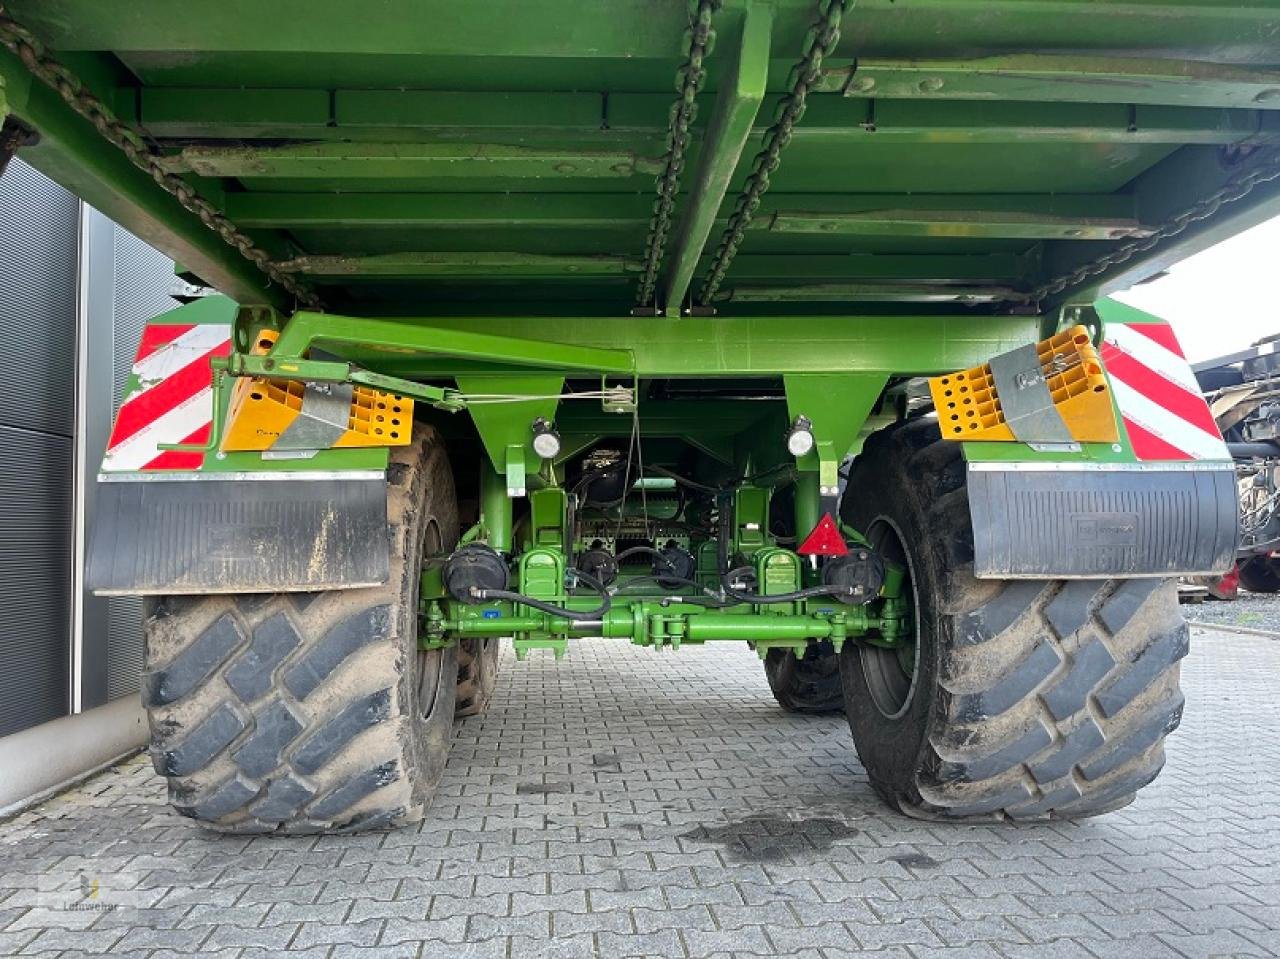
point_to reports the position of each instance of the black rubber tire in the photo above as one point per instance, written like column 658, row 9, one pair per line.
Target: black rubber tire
column 310, row 712
column 1027, row 699
column 1260, row 574
column 477, row 674
column 808, row 683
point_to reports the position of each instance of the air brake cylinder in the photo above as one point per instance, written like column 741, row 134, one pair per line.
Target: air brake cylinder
column 599, row 564
column 473, row 568
column 674, row 566
column 860, row 569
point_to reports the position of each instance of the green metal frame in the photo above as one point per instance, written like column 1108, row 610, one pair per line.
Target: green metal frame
column 948, row 158
column 473, row 184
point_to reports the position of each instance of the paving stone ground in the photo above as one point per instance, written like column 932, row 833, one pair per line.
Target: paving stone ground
column 626, row 803
column 1251, row 611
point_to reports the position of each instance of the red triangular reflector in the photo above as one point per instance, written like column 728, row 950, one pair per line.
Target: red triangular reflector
column 825, row 540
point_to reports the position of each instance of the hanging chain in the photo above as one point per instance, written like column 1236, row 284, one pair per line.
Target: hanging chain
column 822, row 38
column 689, row 79
column 131, row 142
column 12, row 136
column 1265, row 171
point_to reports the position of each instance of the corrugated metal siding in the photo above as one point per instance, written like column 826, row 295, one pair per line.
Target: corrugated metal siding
column 35, row 576
column 143, row 278
column 39, row 236
column 125, row 652
column 39, row 233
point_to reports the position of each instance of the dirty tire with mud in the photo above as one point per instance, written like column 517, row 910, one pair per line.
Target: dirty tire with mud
column 477, row 674
column 310, row 712
column 1026, row 699
column 1260, row 574
column 806, row 684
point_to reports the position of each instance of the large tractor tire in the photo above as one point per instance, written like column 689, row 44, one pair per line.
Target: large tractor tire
column 1260, row 574
column 311, row 712
column 477, row 674
column 1019, row 699
column 808, row 683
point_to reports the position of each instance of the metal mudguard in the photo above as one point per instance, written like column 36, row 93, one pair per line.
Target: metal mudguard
column 1093, row 520
column 175, row 533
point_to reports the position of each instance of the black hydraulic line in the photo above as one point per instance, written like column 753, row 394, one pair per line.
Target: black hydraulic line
column 811, row 592
column 645, row 550
column 1252, row 450
column 680, row 581
column 592, row 614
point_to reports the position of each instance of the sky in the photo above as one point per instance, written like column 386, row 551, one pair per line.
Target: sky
column 1223, row 299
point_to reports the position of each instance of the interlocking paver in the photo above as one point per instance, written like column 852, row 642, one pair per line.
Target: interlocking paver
column 624, row 804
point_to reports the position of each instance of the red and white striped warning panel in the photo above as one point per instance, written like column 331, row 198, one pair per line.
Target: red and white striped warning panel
column 1160, row 403
column 169, row 398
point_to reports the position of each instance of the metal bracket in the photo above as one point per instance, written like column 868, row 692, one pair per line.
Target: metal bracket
column 517, row 478
column 328, row 371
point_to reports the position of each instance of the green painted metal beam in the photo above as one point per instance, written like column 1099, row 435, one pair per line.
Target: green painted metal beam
column 937, row 268
column 634, row 121
column 839, row 119
column 1054, row 78
column 766, row 346
column 440, row 210
column 394, row 265
column 972, row 222
column 867, row 293
column 708, row 416
column 376, row 160
column 924, row 268
column 72, row 153
column 966, row 215
column 736, row 106
column 921, row 268
column 385, row 336
column 637, row 29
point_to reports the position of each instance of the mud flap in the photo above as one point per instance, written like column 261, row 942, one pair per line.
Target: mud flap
column 175, row 533
column 1084, row 521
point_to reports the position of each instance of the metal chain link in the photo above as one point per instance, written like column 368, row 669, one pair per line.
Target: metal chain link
column 1265, row 171
column 822, row 38
column 132, row 143
column 699, row 39
column 12, row 136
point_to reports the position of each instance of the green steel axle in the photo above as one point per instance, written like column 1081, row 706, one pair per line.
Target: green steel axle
column 668, row 622
column 668, row 619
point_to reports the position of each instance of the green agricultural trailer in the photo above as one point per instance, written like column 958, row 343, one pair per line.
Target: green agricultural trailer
column 782, row 322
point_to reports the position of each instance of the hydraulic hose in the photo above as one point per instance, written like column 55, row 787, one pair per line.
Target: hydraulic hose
column 1253, row 450
column 679, row 581
column 643, row 551
column 551, row 608
column 811, row 592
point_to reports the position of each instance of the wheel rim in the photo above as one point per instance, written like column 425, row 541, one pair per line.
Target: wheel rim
column 891, row 674
column 430, row 662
